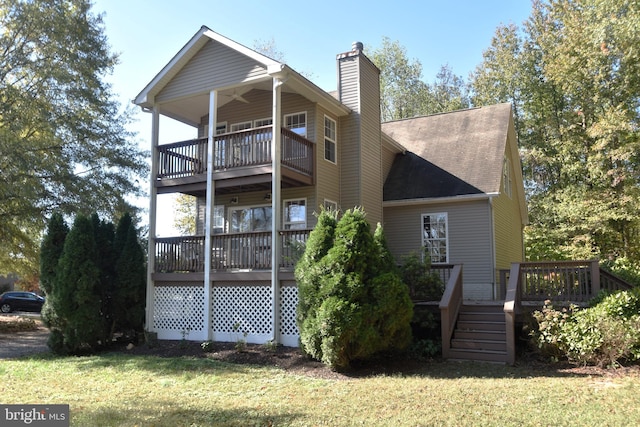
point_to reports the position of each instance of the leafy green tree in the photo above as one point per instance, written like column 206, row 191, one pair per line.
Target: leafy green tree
column 404, row 94
column 572, row 75
column 352, row 303
column 184, row 215
column 51, row 250
column 64, row 145
column 74, row 312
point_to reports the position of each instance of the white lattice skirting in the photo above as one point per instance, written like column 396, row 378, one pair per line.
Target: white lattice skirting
column 239, row 311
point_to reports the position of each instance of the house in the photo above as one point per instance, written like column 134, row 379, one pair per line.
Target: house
column 273, row 147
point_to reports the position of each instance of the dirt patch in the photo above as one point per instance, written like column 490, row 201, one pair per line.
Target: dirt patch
column 23, row 343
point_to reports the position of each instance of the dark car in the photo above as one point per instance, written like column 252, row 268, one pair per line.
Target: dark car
column 20, row 301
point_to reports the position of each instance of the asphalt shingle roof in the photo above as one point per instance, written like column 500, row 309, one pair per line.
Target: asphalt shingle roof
column 448, row 154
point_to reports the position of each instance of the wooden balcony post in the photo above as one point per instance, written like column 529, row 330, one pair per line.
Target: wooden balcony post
column 595, row 278
column 153, row 209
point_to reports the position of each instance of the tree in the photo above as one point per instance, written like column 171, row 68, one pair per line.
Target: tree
column 352, row 302
column 572, row 75
column 130, row 284
column 73, row 309
column 63, row 139
column 51, row 250
column 403, row 93
column 185, row 214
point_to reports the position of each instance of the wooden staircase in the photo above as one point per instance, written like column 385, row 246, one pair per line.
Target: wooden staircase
column 480, row 334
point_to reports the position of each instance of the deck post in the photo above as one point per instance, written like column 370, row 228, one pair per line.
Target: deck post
column 276, row 206
column 209, row 211
column 595, row 277
column 153, row 209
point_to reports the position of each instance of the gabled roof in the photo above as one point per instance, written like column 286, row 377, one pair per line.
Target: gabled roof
column 204, row 35
column 449, row 154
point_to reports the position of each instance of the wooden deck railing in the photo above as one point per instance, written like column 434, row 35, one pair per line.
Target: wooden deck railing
column 557, row 281
column 233, row 251
column 251, row 147
column 450, row 307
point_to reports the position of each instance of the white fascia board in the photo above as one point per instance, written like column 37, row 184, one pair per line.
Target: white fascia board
column 438, row 200
column 256, row 56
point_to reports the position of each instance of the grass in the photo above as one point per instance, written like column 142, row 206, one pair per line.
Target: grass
column 124, row 390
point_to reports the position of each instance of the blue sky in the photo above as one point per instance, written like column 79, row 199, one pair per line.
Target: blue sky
column 147, row 33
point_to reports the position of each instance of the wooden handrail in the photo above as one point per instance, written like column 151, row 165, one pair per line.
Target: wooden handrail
column 450, row 307
column 512, row 306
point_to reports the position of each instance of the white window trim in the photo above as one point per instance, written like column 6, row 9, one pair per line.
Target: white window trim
column 235, row 208
column 268, row 120
column 220, row 128
column 306, row 206
column 334, row 141
column 306, row 122
column 240, row 126
column 331, row 202
column 446, row 231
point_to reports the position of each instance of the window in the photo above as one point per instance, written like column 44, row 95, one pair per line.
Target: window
column 256, row 218
column 506, row 176
column 297, row 123
column 218, row 219
column 295, row 214
column 329, row 139
column 236, row 127
column 435, row 237
column 330, row 205
column 262, row 122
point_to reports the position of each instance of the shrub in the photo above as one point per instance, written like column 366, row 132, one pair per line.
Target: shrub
column 607, row 333
column 352, row 303
column 422, row 282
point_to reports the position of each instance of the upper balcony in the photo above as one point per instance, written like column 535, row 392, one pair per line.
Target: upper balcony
column 242, row 161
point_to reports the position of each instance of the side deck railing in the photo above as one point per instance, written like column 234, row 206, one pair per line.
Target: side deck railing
column 233, row 251
column 450, row 307
column 251, row 147
column 556, row 281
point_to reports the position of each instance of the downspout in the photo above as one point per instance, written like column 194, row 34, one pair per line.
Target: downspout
column 276, row 203
column 208, row 217
column 153, row 209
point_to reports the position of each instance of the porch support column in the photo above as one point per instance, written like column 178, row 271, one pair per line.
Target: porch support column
column 209, row 210
column 153, row 209
column 276, row 206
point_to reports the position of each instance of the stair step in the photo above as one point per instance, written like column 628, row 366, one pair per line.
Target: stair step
column 476, row 344
column 481, row 325
column 481, row 316
column 486, row 308
column 480, row 335
column 478, row 355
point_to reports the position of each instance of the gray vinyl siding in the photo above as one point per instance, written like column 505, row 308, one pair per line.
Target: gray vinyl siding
column 349, row 134
column 327, row 173
column 213, row 66
column 371, row 143
column 469, row 228
column 360, row 163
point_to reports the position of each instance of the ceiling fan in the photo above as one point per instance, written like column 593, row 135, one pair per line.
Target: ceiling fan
column 236, row 97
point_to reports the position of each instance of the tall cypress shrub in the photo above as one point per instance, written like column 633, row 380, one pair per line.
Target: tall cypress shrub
column 79, row 325
column 352, row 302
column 129, row 301
column 51, row 250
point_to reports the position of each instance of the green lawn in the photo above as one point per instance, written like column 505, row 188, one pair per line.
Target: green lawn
column 123, row 390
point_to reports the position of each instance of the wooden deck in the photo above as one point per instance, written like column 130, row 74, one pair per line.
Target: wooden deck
column 487, row 331
column 239, row 159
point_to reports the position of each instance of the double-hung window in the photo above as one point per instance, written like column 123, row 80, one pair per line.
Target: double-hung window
column 435, row 237
column 329, row 139
column 295, row 214
column 297, row 123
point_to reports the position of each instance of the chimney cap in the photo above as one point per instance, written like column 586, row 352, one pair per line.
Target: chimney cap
column 357, row 46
